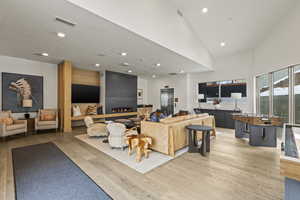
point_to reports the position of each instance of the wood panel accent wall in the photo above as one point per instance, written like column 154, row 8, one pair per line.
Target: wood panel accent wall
column 85, row 77
column 64, row 95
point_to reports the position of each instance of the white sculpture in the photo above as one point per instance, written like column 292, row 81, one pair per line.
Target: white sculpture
column 23, row 90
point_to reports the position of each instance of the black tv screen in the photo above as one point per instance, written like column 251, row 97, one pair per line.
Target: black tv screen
column 85, row 94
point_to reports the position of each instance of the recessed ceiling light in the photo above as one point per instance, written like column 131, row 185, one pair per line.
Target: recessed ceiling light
column 45, row 54
column 129, row 71
column 222, row 44
column 123, row 54
column 182, row 71
column 204, row 10
column 157, row 64
column 97, row 65
column 153, row 76
column 61, row 35
column 125, row 64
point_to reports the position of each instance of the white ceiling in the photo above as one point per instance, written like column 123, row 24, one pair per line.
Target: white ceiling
column 242, row 24
column 28, row 27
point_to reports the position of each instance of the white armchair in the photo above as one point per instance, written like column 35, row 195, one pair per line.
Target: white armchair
column 117, row 135
column 95, row 129
column 18, row 126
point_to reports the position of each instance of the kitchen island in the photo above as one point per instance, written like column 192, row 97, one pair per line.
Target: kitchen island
column 261, row 131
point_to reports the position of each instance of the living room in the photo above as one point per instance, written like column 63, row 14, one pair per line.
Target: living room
column 98, row 101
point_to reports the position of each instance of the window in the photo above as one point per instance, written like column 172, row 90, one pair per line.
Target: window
column 263, row 91
column 281, row 94
column 297, row 93
column 278, row 94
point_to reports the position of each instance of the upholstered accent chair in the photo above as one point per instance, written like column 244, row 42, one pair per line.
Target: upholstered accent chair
column 95, row 129
column 17, row 126
column 117, row 135
column 46, row 119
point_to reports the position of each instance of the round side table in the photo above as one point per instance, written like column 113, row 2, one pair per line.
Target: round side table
column 193, row 144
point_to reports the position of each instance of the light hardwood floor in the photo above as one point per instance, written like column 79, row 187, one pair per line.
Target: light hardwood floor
column 233, row 170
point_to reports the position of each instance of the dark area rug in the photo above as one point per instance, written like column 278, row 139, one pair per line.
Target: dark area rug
column 44, row 172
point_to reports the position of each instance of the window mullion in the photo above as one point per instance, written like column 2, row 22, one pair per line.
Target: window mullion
column 271, row 94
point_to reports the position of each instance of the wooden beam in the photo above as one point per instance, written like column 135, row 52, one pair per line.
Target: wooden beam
column 65, row 101
column 85, row 77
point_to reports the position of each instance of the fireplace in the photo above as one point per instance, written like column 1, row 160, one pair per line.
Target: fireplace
column 122, row 110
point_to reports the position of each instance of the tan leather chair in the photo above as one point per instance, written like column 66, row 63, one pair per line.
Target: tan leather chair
column 95, row 129
column 18, row 126
column 46, row 125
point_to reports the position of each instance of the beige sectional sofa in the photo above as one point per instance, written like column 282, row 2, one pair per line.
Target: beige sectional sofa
column 170, row 135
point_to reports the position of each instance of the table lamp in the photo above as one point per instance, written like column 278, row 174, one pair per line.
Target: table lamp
column 236, row 97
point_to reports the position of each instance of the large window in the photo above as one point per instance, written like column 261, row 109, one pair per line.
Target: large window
column 263, row 91
column 281, row 94
column 297, row 93
column 278, row 94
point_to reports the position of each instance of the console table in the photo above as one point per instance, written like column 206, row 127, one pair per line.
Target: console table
column 103, row 116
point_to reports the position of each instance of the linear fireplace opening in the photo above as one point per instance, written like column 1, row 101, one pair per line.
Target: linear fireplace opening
column 122, row 109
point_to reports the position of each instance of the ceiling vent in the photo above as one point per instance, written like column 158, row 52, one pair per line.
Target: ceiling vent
column 172, row 74
column 65, row 21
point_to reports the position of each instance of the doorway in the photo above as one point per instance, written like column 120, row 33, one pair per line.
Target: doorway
column 167, row 101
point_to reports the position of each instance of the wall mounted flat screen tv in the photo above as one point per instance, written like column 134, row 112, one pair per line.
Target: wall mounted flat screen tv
column 85, row 94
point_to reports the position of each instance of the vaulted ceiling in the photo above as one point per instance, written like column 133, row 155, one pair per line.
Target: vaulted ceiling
column 174, row 33
column 241, row 24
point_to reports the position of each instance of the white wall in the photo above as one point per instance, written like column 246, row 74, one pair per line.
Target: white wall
column 179, row 83
column 226, row 68
column 281, row 48
column 143, row 85
column 23, row 66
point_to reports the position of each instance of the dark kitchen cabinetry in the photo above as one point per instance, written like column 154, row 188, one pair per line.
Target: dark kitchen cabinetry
column 223, row 117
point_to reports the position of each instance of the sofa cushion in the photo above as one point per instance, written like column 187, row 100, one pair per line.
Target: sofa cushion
column 4, row 114
column 7, row 121
column 46, row 123
column 15, row 127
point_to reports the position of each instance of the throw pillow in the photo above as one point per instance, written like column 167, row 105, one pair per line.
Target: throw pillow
column 47, row 115
column 91, row 110
column 76, row 111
